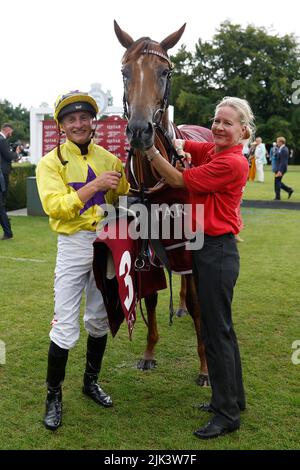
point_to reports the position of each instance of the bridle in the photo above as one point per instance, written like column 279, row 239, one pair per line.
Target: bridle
column 165, row 100
column 160, row 133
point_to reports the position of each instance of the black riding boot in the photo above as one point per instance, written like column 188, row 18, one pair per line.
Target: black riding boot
column 94, row 355
column 57, row 359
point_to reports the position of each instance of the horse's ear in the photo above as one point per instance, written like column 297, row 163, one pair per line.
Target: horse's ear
column 123, row 37
column 173, row 39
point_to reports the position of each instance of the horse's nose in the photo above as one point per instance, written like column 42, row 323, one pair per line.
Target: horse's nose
column 140, row 134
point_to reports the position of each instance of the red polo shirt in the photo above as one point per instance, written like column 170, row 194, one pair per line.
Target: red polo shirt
column 217, row 180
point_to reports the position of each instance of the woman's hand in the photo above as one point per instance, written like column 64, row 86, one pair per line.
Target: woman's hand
column 186, row 161
column 186, row 157
column 178, row 144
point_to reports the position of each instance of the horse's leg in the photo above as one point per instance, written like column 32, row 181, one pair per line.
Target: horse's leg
column 148, row 361
column 194, row 310
column 182, row 310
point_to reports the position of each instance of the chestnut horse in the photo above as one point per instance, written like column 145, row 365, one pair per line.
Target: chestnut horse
column 146, row 70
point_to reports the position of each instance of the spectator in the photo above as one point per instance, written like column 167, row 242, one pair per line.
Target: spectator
column 281, row 168
column 4, row 221
column 6, row 157
column 251, row 160
column 260, row 159
column 246, row 148
column 273, row 156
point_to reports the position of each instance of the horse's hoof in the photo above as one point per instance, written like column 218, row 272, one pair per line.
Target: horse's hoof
column 146, row 364
column 181, row 312
column 203, row 380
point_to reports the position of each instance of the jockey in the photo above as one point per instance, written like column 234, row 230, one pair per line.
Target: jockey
column 73, row 180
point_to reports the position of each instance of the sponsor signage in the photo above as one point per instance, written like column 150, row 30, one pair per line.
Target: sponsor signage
column 110, row 134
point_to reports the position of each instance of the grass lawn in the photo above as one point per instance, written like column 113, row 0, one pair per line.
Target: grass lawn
column 265, row 191
column 155, row 410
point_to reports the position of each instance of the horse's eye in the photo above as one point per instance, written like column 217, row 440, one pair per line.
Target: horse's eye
column 125, row 75
column 165, row 73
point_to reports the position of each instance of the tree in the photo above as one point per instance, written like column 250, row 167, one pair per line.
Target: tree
column 18, row 117
column 250, row 63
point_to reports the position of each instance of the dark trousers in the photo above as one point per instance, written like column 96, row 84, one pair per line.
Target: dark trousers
column 6, row 180
column 216, row 269
column 4, row 222
column 278, row 185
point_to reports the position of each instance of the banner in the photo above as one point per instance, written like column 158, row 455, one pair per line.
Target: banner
column 110, row 134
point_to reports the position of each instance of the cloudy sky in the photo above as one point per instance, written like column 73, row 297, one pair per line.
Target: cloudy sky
column 52, row 46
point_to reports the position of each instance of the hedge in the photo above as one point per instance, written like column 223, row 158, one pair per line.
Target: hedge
column 16, row 197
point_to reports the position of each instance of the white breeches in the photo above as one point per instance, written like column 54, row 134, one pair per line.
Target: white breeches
column 74, row 275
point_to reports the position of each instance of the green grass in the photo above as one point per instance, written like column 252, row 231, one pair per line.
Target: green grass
column 154, row 410
column 265, row 191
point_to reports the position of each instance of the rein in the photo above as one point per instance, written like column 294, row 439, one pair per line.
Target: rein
column 142, row 261
column 164, row 144
column 169, row 153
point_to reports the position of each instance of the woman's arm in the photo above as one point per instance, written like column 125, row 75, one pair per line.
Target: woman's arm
column 172, row 176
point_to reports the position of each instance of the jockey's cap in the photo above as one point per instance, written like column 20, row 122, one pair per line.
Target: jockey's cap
column 72, row 102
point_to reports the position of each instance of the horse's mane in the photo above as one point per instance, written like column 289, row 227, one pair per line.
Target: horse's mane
column 142, row 44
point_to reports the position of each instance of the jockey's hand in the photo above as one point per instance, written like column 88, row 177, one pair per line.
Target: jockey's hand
column 278, row 174
column 108, row 180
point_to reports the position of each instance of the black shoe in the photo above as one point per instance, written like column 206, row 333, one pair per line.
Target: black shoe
column 53, row 414
column 205, row 407
column 277, row 199
column 214, row 429
column 95, row 392
column 5, row 237
column 290, row 193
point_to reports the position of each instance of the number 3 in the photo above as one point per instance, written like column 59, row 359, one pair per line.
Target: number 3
column 126, row 263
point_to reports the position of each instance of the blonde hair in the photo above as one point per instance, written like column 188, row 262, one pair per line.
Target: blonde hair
column 244, row 110
column 282, row 139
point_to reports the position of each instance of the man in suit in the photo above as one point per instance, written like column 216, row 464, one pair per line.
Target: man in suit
column 281, row 168
column 6, row 157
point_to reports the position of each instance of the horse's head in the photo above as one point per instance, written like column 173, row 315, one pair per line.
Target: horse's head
column 146, row 70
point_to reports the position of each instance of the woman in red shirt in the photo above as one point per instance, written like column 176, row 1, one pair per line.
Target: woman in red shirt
column 216, row 180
